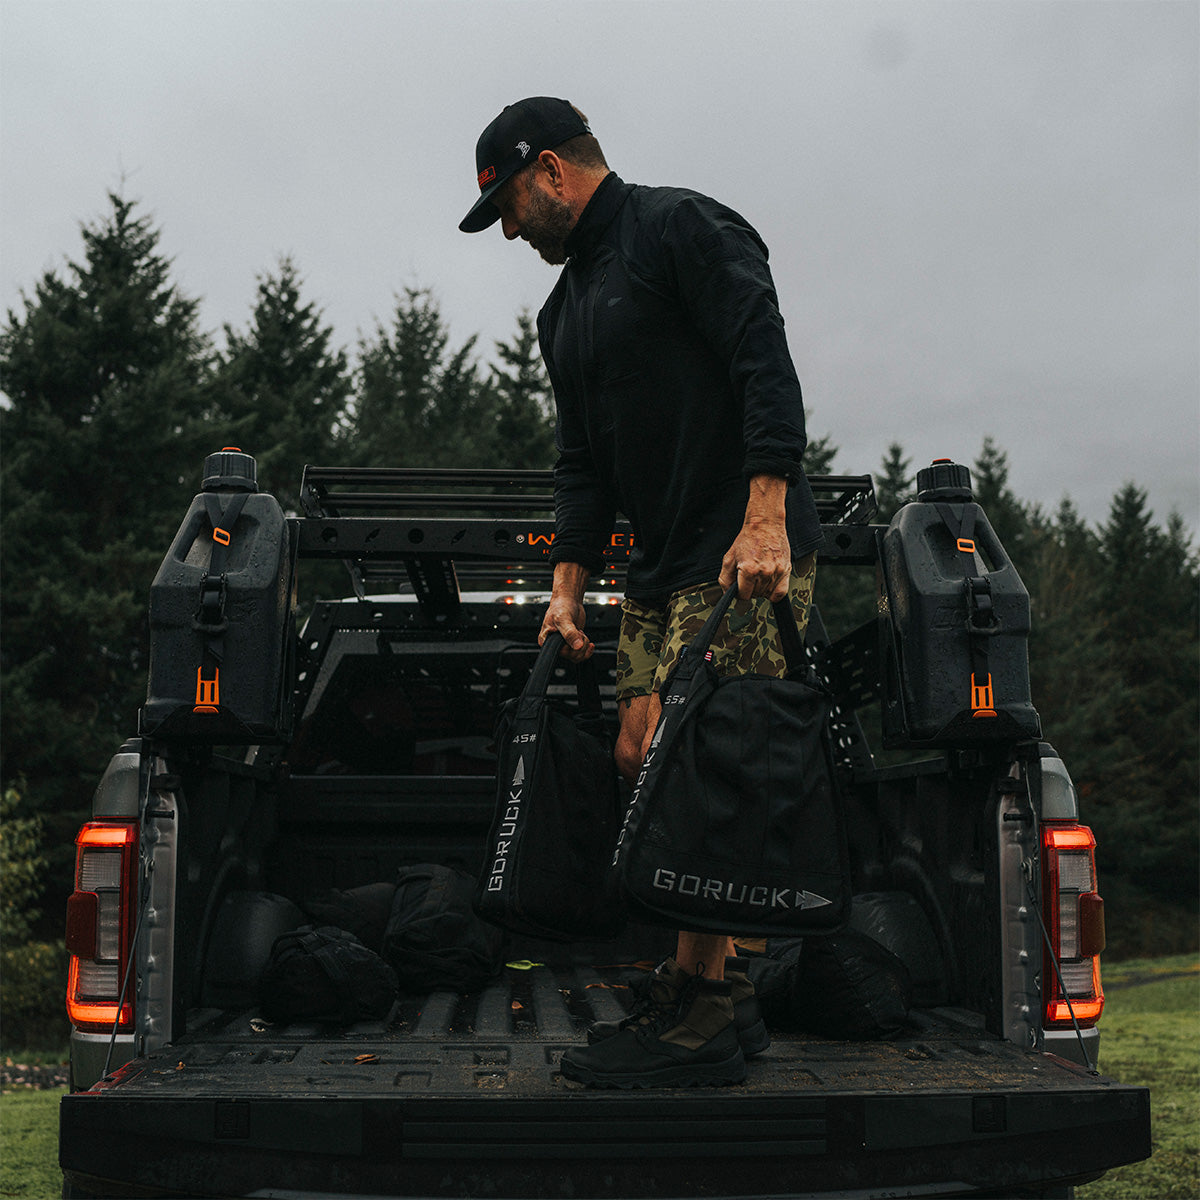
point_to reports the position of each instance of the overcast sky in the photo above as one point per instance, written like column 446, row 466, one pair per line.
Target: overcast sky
column 982, row 214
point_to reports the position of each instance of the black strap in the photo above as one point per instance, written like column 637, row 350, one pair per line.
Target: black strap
column 785, row 619
column 981, row 613
column 210, row 612
column 587, row 686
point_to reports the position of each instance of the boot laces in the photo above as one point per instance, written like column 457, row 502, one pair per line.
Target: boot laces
column 648, row 1007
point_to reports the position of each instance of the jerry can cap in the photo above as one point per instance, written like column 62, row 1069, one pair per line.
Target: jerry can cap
column 944, row 479
column 230, row 468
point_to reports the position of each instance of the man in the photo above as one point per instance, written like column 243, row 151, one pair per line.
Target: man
column 677, row 405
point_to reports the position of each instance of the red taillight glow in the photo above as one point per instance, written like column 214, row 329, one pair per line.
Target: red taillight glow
column 1074, row 915
column 100, row 925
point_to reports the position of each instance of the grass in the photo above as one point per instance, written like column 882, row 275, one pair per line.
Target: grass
column 1150, row 1036
column 29, row 1145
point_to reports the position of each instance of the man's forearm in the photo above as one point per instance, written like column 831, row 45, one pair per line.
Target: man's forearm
column 570, row 581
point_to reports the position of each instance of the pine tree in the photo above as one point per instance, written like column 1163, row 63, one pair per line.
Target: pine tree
column 819, row 455
column 1005, row 513
column 1147, row 612
column 894, row 484
column 524, row 423
column 417, row 404
column 1073, row 680
column 283, row 387
column 108, row 382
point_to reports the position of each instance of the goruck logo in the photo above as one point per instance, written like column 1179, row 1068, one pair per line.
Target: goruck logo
column 508, row 827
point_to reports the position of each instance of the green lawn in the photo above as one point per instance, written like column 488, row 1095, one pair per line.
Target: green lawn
column 1150, row 1035
column 29, row 1145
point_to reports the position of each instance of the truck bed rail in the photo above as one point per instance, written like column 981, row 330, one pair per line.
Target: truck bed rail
column 438, row 532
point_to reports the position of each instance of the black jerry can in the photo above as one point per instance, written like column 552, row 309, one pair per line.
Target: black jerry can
column 222, row 617
column 954, row 624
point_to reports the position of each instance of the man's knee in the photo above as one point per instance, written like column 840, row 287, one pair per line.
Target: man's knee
column 628, row 753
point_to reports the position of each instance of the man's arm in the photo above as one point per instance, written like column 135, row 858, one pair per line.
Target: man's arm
column 760, row 559
column 565, row 612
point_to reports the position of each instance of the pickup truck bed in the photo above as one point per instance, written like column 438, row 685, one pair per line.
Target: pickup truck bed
column 415, row 1099
column 394, row 697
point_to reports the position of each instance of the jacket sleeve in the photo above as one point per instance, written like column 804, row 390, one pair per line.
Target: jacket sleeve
column 584, row 512
column 718, row 264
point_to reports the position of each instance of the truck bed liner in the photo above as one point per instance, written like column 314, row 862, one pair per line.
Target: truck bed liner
column 511, row 1035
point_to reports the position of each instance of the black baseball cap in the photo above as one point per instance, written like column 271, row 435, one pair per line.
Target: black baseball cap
column 516, row 137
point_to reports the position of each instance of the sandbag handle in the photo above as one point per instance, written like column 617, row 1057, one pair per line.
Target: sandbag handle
column 587, row 686
column 785, row 619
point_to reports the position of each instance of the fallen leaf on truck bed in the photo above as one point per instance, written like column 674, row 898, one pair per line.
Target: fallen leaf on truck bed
column 366, row 1058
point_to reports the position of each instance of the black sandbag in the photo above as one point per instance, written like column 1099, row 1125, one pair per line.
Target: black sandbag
column 849, row 986
column 548, row 867
column 844, row 985
column 325, row 974
column 773, row 974
column 434, row 940
column 363, row 911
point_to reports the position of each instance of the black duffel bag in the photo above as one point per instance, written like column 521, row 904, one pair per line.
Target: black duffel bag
column 546, row 869
column 321, row 973
column 734, row 826
column 433, row 939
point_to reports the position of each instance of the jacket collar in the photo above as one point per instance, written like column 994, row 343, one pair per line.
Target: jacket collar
column 598, row 214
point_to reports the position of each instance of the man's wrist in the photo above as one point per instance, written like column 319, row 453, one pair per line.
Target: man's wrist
column 767, row 501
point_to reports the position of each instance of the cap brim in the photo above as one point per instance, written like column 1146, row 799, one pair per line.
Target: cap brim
column 483, row 212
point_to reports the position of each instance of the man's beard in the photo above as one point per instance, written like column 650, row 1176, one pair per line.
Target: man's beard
column 546, row 225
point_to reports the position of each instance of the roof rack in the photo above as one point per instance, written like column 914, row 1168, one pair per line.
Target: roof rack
column 436, row 530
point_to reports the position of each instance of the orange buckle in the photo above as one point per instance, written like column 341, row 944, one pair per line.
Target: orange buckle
column 966, row 545
column 982, row 700
column 219, row 535
column 208, row 691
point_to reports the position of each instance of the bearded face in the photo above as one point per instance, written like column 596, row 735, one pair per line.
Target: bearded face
column 546, row 223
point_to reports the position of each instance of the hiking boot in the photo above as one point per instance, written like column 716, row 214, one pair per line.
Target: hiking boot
column 751, row 1028
column 660, row 992
column 656, row 993
column 696, row 1045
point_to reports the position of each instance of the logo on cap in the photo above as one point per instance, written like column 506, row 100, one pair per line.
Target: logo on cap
column 486, row 176
column 524, row 149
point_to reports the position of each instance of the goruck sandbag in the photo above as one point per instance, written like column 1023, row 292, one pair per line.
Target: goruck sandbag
column 434, row 940
column 849, row 986
column 363, row 911
column 547, row 868
column 735, row 826
column 842, row 985
column 325, row 974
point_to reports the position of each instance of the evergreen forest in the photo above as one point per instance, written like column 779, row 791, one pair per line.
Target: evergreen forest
column 114, row 395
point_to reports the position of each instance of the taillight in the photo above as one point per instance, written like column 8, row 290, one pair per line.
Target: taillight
column 100, row 925
column 1075, row 921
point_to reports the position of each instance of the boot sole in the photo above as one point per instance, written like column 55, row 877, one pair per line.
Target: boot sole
column 720, row 1074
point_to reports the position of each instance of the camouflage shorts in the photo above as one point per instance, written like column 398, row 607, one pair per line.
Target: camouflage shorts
column 746, row 642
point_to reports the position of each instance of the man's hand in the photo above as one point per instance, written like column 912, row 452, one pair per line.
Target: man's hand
column 565, row 612
column 760, row 559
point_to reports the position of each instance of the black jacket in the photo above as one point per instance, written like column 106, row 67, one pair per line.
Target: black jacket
column 673, row 384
